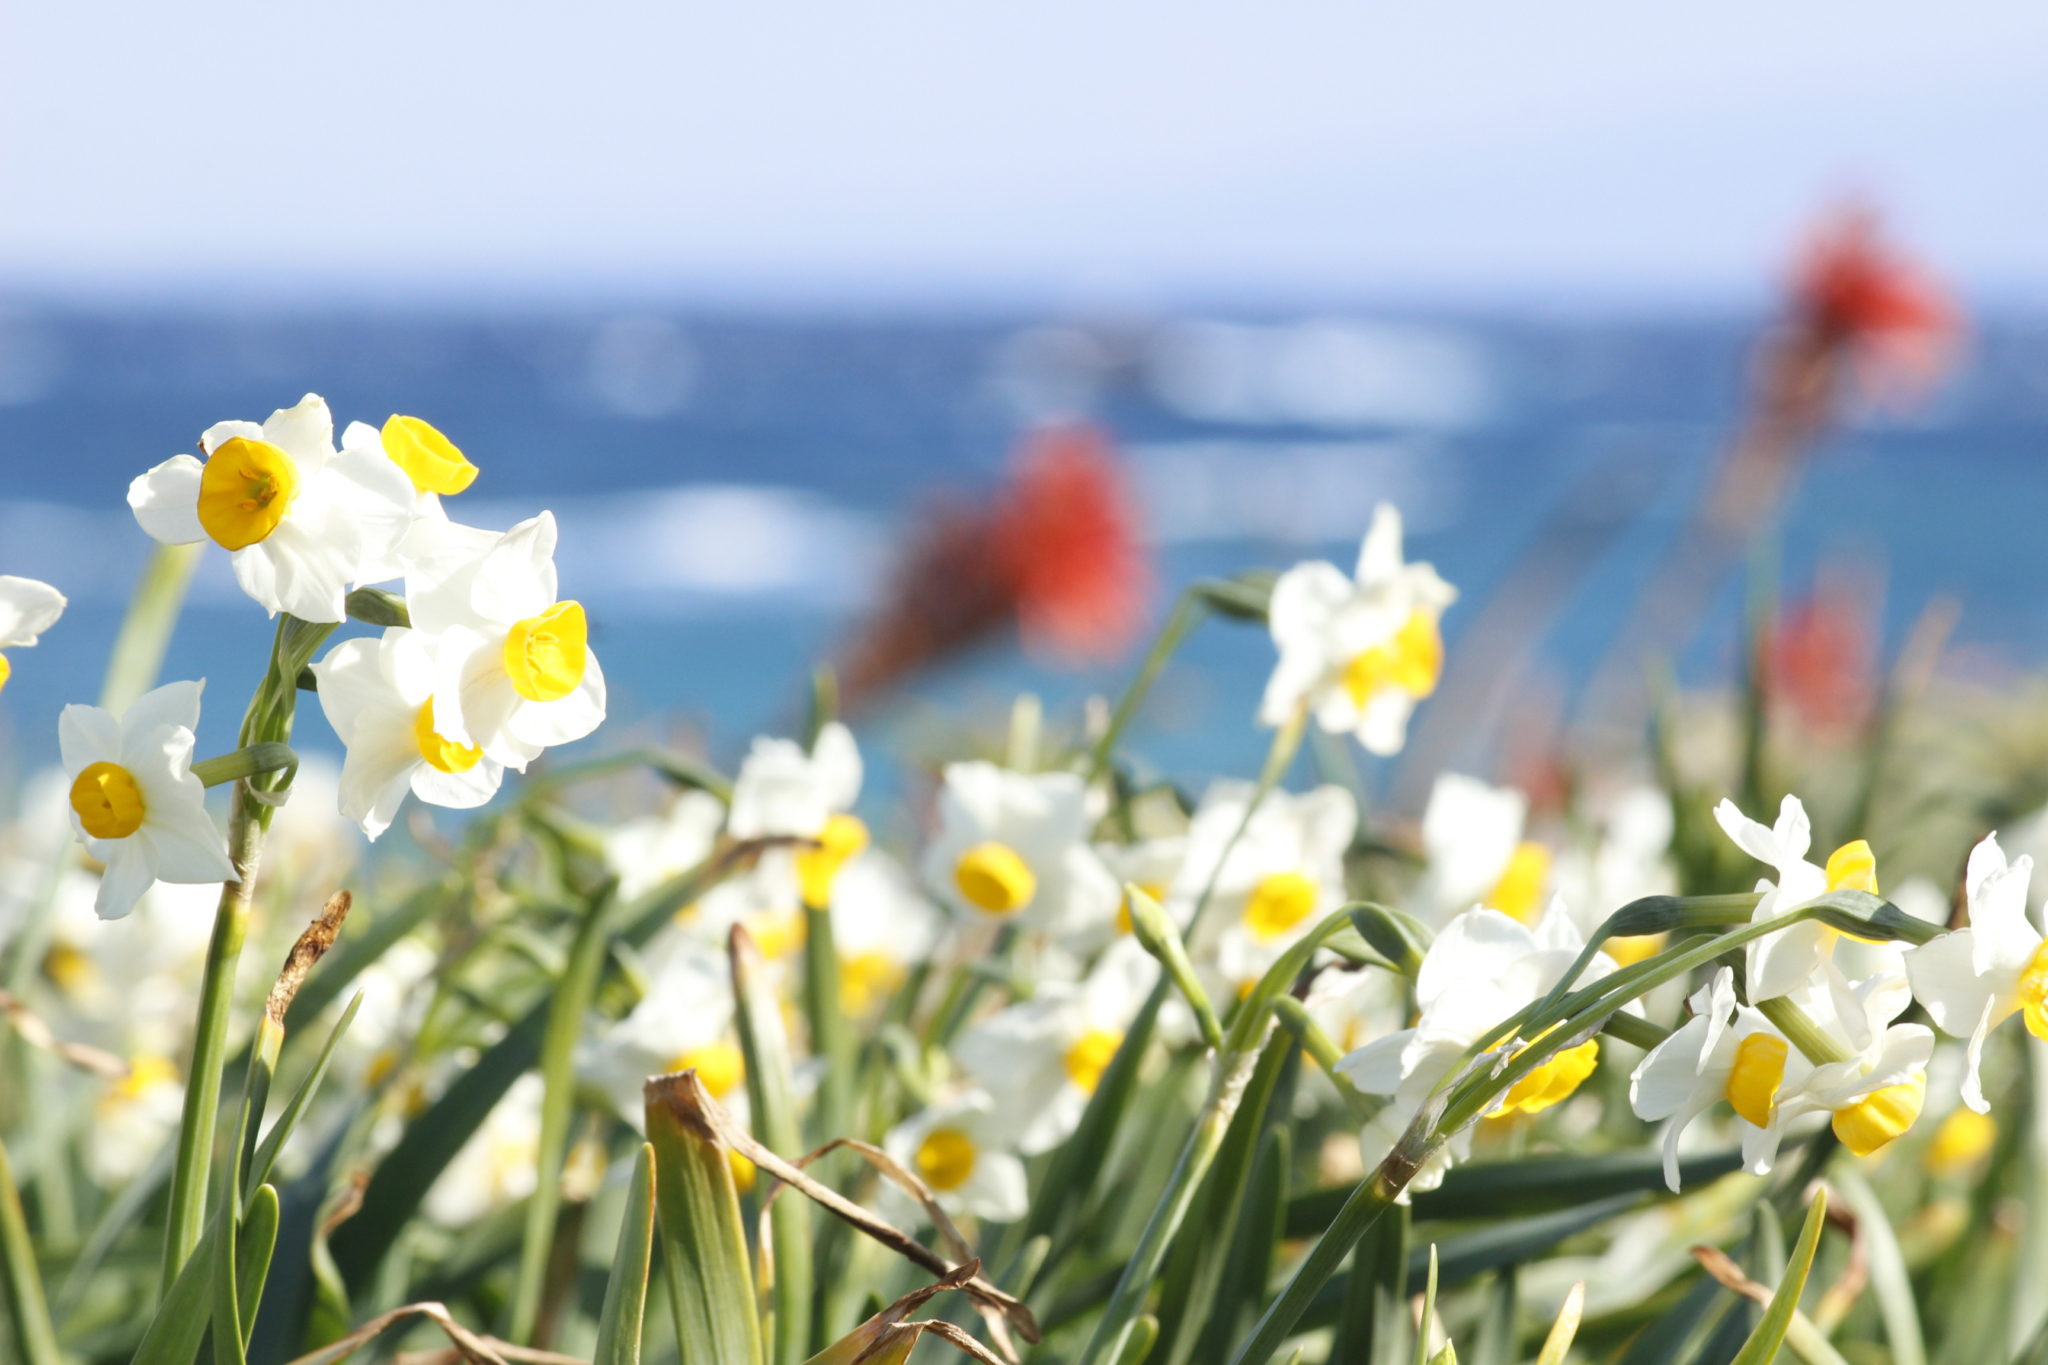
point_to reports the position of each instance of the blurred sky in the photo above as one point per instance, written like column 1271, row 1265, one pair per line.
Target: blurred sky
column 1060, row 151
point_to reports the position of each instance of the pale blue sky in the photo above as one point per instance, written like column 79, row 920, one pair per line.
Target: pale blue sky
column 1062, row 150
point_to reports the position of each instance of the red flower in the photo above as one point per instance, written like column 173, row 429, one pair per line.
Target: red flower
column 1056, row 552
column 1066, row 542
column 1820, row 658
column 1853, row 290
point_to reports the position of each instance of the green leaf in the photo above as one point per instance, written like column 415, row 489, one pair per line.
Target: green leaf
column 1890, row 1283
column 35, row 1340
column 1558, row 1342
column 774, row 1122
column 1372, row 1324
column 1537, row 1184
column 1763, row 1343
column 620, row 1320
column 1428, row 1309
column 566, row 1017
column 704, row 1243
column 252, row 1261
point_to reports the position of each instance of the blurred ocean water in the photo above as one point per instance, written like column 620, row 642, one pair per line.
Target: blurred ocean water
column 730, row 488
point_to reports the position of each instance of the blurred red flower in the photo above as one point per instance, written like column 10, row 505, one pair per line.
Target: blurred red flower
column 1854, row 291
column 1065, row 538
column 1056, row 552
column 1820, row 659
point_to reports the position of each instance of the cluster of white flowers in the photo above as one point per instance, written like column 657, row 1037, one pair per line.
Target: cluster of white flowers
column 493, row 669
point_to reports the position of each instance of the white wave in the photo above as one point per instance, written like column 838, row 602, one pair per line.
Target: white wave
column 1324, row 372
column 1300, row 492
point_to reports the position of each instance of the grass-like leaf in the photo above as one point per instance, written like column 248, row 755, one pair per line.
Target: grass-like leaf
column 1763, row 1343
column 703, row 1240
column 620, row 1320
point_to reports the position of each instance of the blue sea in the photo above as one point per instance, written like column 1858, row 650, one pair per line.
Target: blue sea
column 731, row 488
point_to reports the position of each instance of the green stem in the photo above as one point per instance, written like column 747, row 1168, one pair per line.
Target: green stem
column 1802, row 1032
column 1188, row 611
column 246, row 762
column 35, row 1340
column 267, row 721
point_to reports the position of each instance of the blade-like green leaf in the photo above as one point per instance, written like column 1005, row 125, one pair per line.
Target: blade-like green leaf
column 619, row 1322
column 1428, row 1309
column 35, row 1340
column 1372, row 1325
column 569, row 1004
column 1558, row 1342
column 257, row 1243
column 774, row 1122
column 1763, row 1343
column 704, row 1244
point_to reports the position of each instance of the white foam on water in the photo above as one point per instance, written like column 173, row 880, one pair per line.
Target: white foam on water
column 1332, row 373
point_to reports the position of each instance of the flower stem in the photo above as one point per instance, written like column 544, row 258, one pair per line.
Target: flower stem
column 268, row 721
column 1802, row 1032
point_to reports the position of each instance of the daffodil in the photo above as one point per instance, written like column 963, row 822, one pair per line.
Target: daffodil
column 516, row 674
column 1481, row 969
column 1472, row 835
column 1876, row 1093
column 498, row 1166
column 304, row 522
column 1358, row 651
column 1012, row 848
column 1975, row 978
column 961, row 1151
column 378, row 694
column 135, row 1116
column 135, row 804
column 1042, row 1058
column 1725, row 1051
column 781, row 790
column 883, row 926
column 684, row 1022
column 435, row 468
column 1778, row 963
column 648, row 850
column 1285, row 872
column 28, row 607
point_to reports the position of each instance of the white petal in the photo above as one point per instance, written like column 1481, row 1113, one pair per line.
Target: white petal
column 166, row 501
column 354, row 690
column 1973, row 1060
column 1379, row 557
column 128, row 875
column 220, row 433
column 188, row 847
column 1478, row 945
column 87, row 735
column 1663, row 1081
column 1793, row 832
column 1383, row 726
column 837, row 758
column 376, row 774
column 378, row 498
column 544, row 724
column 1757, row 840
column 1998, row 908
column 1945, row 981
column 303, row 567
column 1780, row 963
column 458, row 791
column 175, row 704
column 28, row 607
column 304, row 431
column 1376, row 1068
column 996, row 1190
column 517, row 578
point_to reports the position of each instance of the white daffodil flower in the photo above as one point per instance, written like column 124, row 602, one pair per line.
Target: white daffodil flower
column 1154, row 866
column 1877, row 1093
column 1779, row 963
column 434, row 466
column 498, row 1166
column 959, row 1149
column 1472, row 836
column 1358, row 651
column 782, row 791
column 1725, row 1051
column 135, row 804
column 883, row 925
column 1482, row 968
column 684, row 1022
column 133, row 1120
column 304, row 523
column 28, row 607
column 1042, row 1058
column 378, row 694
column 1013, row 848
column 648, row 850
column 1975, row 978
column 1624, row 856
column 516, row 672
column 1284, row 873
